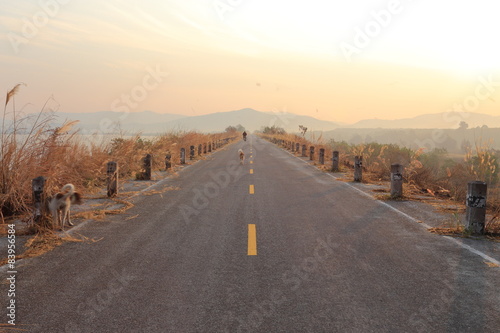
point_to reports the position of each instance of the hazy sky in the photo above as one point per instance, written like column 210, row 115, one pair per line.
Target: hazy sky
column 334, row 60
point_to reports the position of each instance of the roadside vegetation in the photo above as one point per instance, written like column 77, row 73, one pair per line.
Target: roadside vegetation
column 434, row 173
column 31, row 146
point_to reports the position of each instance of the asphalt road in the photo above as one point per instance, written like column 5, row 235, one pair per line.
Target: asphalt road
column 286, row 248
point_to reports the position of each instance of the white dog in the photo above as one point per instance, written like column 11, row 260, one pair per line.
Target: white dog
column 242, row 156
column 60, row 204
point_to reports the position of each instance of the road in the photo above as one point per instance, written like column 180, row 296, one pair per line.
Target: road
column 273, row 245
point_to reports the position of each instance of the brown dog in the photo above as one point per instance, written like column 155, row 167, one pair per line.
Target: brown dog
column 242, row 156
column 60, row 204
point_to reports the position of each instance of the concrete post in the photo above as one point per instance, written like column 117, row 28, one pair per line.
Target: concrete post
column 311, row 153
column 297, row 147
column 205, row 148
column 168, row 161
column 335, row 161
column 322, row 156
column 358, row 168
column 37, row 186
column 191, row 152
column 475, row 213
column 200, row 148
column 209, row 147
column 304, row 148
column 112, row 179
column 396, row 180
column 148, row 165
column 183, row 155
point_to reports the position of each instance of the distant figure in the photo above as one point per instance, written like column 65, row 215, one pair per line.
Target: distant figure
column 244, row 136
column 242, row 156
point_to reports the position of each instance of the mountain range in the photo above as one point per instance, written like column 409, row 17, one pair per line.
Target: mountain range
column 148, row 122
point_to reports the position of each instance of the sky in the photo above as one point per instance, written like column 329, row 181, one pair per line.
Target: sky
column 341, row 61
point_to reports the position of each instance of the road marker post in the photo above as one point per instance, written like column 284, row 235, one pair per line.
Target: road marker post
column 200, row 148
column 112, row 179
column 37, row 186
column 322, row 156
column 183, row 155
column 297, row 147
column 191, row 153
column 168, row 161
column 475, row 213
column 147, row 165
column 358, row 168
column 311, row 153
column 396, row 181
column 304, row 148
column 335, row 161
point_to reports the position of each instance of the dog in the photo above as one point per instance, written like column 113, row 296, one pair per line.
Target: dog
column 60, row 205
column 242, row 156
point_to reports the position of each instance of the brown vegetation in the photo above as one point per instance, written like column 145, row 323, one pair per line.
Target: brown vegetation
column 434, row 172
column 31, row 146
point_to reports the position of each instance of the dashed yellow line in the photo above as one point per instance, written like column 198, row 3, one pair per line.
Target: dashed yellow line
column 251, row 171
column 251, row 189
column 252, row 240
column 251, row 162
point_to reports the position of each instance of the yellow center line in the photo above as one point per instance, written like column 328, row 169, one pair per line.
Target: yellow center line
column 251, row 162
column 251, row 189
column 251, row 171
column 252, row 240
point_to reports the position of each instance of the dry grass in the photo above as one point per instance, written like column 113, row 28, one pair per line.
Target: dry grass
column 46, row 241
column 30, row 147
column 434, row 174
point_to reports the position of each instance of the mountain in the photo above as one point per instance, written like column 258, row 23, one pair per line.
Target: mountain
column 148, row 122
column 445, row 120
column 251, row 120
column 109, row 121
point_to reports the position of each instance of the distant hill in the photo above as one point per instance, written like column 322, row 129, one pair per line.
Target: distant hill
column 252, row 120
column 109, row 121
column 445, row 120
column 152, row 123
column 148, row 122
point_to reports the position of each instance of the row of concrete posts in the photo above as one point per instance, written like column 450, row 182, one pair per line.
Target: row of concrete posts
column 476, row 190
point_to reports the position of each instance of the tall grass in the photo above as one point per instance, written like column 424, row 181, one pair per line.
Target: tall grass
column 430, row 172
column 30, row 146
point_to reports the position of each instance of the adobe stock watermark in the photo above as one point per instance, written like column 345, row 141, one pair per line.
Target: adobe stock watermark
column 291, row 279
column 31, row 26
column 423, row 320
column 130, row 100
column 461, row 111
column 222, row 7
column 203, row 194
column 280, row 117
column 363, row 36
column 92, row 306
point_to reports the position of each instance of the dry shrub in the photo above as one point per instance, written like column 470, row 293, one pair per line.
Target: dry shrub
column 31, row 147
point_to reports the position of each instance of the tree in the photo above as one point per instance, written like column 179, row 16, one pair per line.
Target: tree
column 303, row 130
column 463, row 125
column 273, row 130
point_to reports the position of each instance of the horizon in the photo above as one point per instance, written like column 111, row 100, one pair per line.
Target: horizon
column 461, row 116
column 334, row 61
